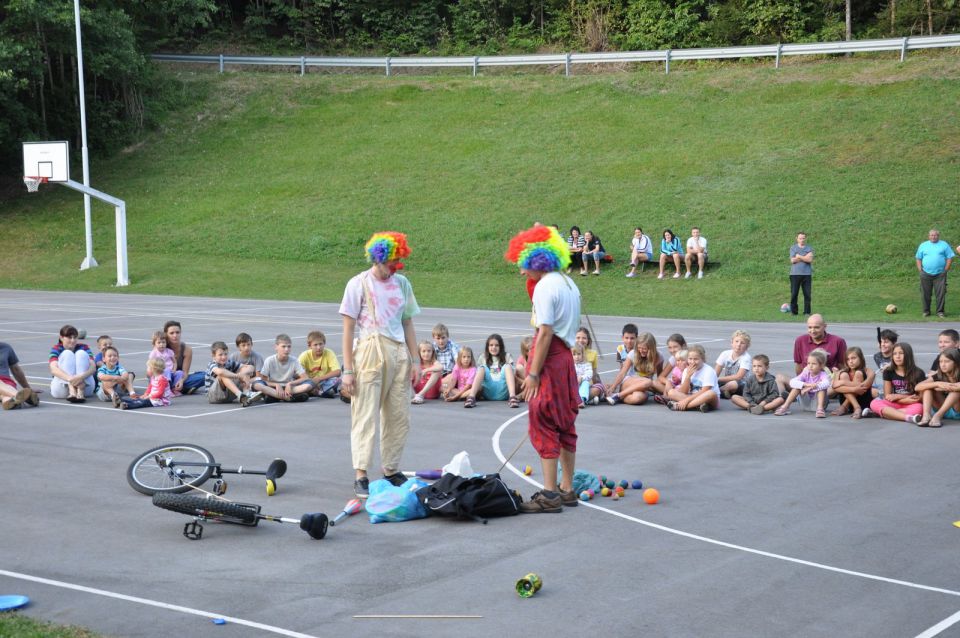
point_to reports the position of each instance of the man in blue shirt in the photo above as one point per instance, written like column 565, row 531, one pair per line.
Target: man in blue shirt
column 933, row 261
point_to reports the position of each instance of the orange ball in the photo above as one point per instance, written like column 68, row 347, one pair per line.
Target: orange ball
column 651, row 496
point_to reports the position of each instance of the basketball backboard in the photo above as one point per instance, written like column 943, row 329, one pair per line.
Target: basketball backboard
column 47, row 159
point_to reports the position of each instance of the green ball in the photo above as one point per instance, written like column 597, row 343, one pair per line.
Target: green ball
column 609, row 483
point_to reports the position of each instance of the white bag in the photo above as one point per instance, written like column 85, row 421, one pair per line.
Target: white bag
column 459, row 465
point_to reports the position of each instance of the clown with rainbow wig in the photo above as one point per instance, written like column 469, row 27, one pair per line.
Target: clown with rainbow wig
column 377, row 372
column 550, row 386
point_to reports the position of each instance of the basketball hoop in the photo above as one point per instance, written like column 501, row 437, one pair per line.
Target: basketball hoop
column 33, row 183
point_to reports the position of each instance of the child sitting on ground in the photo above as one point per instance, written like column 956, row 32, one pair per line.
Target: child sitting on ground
column 321, row 365
column 733, row 364
column 760, row 393
column 103, row 342
column 458, row 385
column 592, row 357
column 495, row 380
column 446, row 348
column 165, row 354
column 115, row 381
column 942, row 391
column 427, row 385
column 854, row 383
column 698, row 387
column 246, row 356
column 675, row 376
column 584, row 373
column 521, row 366
column 625, row 349
column 948, row 338
column 223, row 379
column 282, row 378
column 158, row 389
column 900, row 401
column 887, row 339
column 810, row 385
column 675, row 343
column 639, row 374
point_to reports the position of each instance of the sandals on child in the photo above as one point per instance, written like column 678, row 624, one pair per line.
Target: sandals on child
column 842, row 410
column 821, row 413
column 417, row 399
column 514, row 402
column 782, row 411
column 470, row 402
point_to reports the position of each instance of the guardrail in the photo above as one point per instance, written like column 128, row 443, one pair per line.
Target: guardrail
column 567, row 60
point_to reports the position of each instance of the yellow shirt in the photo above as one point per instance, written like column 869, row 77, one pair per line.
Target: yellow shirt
column 317, row 367
column 590, row 356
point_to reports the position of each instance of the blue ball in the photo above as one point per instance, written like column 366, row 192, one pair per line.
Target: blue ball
column 638, row 484
column 624, row 483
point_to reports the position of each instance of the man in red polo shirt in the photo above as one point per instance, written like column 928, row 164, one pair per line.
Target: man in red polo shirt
column 816, row 337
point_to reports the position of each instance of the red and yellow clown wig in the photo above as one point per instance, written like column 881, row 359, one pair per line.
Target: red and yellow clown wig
column 539, row 248
column 387, row 246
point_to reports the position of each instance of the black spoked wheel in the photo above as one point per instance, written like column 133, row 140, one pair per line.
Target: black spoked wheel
column 170, row 468
column 210, row 508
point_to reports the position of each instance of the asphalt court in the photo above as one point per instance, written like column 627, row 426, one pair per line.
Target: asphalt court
column 789, row 526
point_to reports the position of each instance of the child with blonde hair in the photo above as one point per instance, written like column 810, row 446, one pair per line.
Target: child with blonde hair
column 584, row 374
column 698, row 387
column 427, row 385
column 811, row 386
column 458, row 385
column 158, row 390
column 521, row 365
column 733, row 365
column 645, row 366
column 165, row 354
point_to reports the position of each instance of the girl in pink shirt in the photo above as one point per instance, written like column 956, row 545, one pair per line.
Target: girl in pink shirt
column 458, row 385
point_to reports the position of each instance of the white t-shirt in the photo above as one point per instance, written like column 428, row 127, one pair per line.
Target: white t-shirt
column 693, row 241
column 730, row 365
column 556, row 303
column 282, row 372
column 393, row 302
column 641, row 244
column 705, row 377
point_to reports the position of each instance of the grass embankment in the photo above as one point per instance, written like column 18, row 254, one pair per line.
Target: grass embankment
column 270, row 185
column 17, row 626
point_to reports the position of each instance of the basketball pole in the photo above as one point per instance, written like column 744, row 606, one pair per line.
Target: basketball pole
column 89, row 261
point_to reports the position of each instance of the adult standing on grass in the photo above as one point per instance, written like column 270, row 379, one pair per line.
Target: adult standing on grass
column 801, row 273
column 550, row 385
column 934, row 258
column 10, row 375
column 377, row 375
column 183, row 359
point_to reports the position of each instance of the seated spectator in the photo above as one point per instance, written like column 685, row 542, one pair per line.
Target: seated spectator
column 698, row 388
column 115, row 381
column 640, row 374
column 810, row 386
column 224, row 382
column 459, row 384
column 854, row 383
column 183, row 356
column 593, row 250
column 901, row 401
column 521, row 367
column 941, row 393
column 576, row 243
column 250, row 361
column 887, row 339
column 282, row 377
column 760, row 393
column 591, row 356
column 71, row 364
column 696, row 251
column 816, row 337
column 427, row 384
column 641, row 250
column 157, row 393
column 11, row 374
column 733, row 365
column 629, row 336
column 321, row 365
column 675, row 345
column 495, row 379
column 670, row 249
column 947, row 339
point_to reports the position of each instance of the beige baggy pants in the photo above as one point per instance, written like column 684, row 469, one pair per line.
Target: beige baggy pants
column 383, row 385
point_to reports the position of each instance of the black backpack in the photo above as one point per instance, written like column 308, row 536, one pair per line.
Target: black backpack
column 477, row 497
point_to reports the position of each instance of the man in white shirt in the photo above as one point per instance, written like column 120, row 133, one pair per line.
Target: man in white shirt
column 696, row 249
column 550, row 385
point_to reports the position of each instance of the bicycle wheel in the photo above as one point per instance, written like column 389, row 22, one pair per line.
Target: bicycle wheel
column 170, row 468
column 210, row 508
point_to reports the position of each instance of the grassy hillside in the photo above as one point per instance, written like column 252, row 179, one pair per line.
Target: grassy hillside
column 270, row 186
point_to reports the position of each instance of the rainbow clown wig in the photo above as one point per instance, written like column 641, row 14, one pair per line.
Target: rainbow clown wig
column 387, row 246
column 540, row 248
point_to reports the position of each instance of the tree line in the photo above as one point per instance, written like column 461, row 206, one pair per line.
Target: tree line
column 125, row 93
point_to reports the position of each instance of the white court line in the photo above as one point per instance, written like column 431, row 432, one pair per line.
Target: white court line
column 155, row 603
column 941, row 626
column 670, row 530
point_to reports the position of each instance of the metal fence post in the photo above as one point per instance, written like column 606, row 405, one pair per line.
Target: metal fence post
column 903, row 49
column 779, row 50
column 221, row 63
column 566, row 65
column 303, row 65
column 666, row 59
column 388, row 67
column 476, row 63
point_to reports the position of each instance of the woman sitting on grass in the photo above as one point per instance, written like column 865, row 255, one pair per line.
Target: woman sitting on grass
column 901, row 401
column 854, row 383
column 941, row 392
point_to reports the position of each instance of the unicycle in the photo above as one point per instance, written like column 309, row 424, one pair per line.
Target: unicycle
column 212, row 508
column 178, row 467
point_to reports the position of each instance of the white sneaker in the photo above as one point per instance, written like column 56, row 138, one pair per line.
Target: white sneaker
column 699, row 275
column 676, row 275
column 687, row 276
column 631, row 274
column 660, row 276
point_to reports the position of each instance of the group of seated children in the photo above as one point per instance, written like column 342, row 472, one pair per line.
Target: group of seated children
column 242, row 376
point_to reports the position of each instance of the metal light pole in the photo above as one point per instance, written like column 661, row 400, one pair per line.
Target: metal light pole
column 89, row 261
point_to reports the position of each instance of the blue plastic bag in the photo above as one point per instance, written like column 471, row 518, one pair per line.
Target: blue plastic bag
column 388, row 503
column 585, row 481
